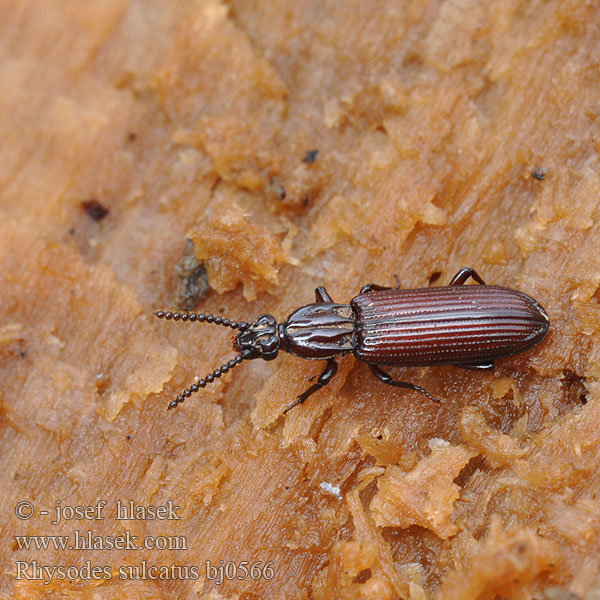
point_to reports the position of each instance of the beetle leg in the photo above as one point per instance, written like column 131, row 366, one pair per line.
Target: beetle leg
column 328, row 372
column 477, row 366
column 387, row 378
column 464, row 274
column 322, row 295
column 373, row 287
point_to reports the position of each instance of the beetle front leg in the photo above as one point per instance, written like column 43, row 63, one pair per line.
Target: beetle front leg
column 328, row 372
column 373, row 287
column 464, row 274
column 322, row 295
column 387, row 378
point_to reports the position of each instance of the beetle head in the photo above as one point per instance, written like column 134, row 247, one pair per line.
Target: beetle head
column 260, row 338
column 256, row 340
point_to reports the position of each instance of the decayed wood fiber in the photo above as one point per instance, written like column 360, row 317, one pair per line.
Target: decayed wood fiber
column 194, row 120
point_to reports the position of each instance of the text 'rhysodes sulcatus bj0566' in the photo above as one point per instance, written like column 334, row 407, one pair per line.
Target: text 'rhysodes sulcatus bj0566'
column 466, row 326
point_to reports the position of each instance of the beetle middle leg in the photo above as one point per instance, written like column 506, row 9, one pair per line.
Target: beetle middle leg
column 328, row 372
column 464, row 274
column 373, row 287
column 387, row 378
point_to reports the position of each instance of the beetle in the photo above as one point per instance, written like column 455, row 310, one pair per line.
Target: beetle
column 468, row 326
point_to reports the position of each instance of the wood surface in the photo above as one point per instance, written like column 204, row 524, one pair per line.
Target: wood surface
column 449, row 133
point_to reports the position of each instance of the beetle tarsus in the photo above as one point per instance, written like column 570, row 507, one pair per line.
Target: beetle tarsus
column 328, row 372
column 464, row 274
column 299, row 401
column 387, row 378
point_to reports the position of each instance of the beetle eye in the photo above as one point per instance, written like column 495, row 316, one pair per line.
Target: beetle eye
column 270, row 344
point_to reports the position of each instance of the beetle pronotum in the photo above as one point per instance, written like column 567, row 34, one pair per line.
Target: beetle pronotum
column 466, row 326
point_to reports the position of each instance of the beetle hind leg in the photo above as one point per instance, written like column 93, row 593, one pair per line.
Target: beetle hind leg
column 387, row 378
column 324, row 378
column 477, row 366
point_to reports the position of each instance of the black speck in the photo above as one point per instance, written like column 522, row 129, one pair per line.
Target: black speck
column 94, row 209
column 434, row 277
column 128, row 437
column 23, row 354
column 287, row 487
column 132, row 136
column 310, row 157
column 72, row 231
column 539, row 173
column 276, row 188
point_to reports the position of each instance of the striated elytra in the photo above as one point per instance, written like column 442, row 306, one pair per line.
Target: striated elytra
column 466, row 326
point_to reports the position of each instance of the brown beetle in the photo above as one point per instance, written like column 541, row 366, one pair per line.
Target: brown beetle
column 467, row 326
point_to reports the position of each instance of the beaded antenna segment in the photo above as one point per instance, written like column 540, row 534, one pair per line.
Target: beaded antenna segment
column 210, row 377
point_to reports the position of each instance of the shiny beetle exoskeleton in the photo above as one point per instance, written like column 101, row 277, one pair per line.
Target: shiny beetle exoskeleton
column 466, row 326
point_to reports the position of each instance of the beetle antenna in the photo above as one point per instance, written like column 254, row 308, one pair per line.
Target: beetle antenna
column 201, row 317
column 210, row 378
